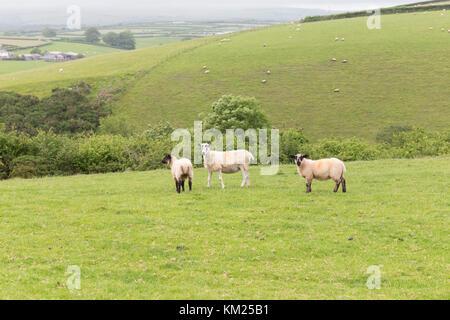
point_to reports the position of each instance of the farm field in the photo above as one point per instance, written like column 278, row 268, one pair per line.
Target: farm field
column 16, row 66
column 22, row 42
column 7, row 67
column 300, row 89
column 394, row 76
column 133, row 237
column 103, row 69
column 156, row 41
column 86, row 49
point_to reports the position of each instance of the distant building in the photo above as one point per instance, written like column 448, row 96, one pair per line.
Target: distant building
column 52, row 56
column 6, row 55
column 57, row 56
column 31, row 56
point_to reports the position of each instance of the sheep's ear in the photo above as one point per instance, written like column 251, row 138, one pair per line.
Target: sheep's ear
column 306, row 156
column 293, row 157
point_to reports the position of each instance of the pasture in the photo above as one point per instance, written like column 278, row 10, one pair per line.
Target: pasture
column 394, row 76
column 17, row 42
column 134, row 237
column 83, row 48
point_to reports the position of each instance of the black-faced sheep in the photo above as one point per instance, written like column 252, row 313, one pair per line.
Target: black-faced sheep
column 323, row 169
column 181, row 169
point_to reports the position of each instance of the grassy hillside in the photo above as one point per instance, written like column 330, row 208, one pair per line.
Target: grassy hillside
column 83, row 48
column 396, row 75
column 98, row 69
column 86, row 49
column 134, row 237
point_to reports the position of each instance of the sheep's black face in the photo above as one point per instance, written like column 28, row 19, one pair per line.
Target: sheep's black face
column 299, row 158
column 166, row 159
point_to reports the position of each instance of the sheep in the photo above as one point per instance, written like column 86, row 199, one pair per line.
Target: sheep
column 264, row 81
column 207, row 71
column 181, row 169
column 337, row 90
column 226, row 162
column 61, row 70
column 344, row 61
column 323, row 169
column 334, row 59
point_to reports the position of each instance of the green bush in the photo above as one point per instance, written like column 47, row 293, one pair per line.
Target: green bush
column 292, row 141
column 418, row 142
column 25, row 167
column 236, row 112
column 48, row 153
column 386, row 135
column 349, row 149
column 67, row 110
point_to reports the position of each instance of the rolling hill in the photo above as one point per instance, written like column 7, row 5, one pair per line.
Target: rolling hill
column 396, row 75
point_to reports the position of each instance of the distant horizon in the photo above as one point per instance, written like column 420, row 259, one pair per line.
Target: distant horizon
column 175, row 5
column 102, row 13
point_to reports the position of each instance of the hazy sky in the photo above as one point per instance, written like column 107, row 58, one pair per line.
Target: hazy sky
column 168, row 4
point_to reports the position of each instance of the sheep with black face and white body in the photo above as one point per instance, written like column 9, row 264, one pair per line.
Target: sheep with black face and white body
column 323, row 169
column 226, row 162
column 181, row 169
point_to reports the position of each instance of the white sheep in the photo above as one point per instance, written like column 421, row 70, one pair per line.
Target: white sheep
column 323, row 169
column 226, row 162
column 181, row 169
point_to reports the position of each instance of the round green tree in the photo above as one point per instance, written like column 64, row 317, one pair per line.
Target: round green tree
column 92, row 35
column 236, row 112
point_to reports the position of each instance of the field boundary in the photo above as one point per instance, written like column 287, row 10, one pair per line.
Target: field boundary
column 365, row 13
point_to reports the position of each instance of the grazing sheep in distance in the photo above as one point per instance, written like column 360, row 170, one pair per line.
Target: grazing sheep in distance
column 337, row 90
column 181, row 169
column 334, row 59
column 264, row 81
column 226, row 162
column 323, row 169
column 61, row 70
column 207, row 71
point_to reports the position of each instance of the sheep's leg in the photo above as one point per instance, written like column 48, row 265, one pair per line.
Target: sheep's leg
column 177, row 185
column 344, row 185
column 336, row 188
column 221, row 180
column 248, row 178
column 308, row 186
column 209, row 178
column 182, row 185
column 190, row 184
column 244, row 177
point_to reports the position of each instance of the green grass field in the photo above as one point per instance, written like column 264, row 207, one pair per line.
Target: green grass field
column 394, row 76
column 16, row 66
column 96, row 70
column 134, row 237
column 86, row 49
column 7, row 67
column 156, row 41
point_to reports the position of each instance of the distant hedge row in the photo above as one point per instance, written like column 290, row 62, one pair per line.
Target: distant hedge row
column 393, row 10
column 48, row 154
